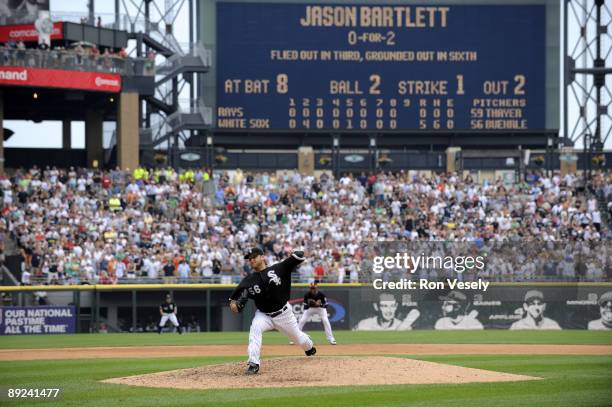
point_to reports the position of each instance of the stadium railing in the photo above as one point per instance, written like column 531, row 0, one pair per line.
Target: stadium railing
column 7, row 277
column 296, row 278
column 72, row 60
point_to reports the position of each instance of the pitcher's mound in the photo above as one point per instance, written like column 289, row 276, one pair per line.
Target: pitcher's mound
column 318, row 371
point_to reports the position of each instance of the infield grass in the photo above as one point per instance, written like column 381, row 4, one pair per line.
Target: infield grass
column 571, row 381
column 568, row 381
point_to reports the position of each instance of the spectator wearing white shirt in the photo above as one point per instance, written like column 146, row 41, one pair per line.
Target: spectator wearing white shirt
column 25, row 277
column 184, row 271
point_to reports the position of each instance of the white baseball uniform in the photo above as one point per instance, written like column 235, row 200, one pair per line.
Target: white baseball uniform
column 320, row 312
column 166, row 317
column 285, row 322
column 168, row 313
column 271, row 288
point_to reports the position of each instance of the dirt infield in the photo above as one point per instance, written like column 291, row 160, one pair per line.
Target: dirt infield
column 326, row 371
column 287, row 350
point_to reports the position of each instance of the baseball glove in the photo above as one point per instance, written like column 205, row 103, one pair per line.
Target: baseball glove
column 238, row 305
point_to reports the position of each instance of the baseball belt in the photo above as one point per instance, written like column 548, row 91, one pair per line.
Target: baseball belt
column 276, row 313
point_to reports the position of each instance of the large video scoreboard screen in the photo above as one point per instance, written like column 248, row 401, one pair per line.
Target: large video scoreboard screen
column 380, row 67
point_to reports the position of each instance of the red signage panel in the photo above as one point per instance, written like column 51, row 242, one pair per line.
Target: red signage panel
column 58, row 78
column 28, row 33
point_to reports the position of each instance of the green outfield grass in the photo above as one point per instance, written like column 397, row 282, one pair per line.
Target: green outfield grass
column 581, row 337
column 567, row 380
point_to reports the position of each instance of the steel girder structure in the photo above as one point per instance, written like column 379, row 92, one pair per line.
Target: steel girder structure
column 587, row 42
column 152, row 24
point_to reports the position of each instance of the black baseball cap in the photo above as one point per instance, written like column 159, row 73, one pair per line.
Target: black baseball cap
column 254, row 252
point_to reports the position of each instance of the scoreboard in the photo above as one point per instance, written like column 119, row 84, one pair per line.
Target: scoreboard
column 375, row 67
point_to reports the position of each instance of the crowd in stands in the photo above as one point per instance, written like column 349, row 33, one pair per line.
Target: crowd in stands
column 81, row 56
column 85, row 226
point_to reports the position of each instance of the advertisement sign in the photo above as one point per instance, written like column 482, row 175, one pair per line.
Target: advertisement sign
column 17, row 12
column 500, row 307
column 44, row 26
column 472, row 285
column 57, row 78
column 37, row 320
column 28, row 33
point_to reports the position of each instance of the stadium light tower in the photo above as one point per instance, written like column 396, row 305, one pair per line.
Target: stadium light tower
column 586, row 67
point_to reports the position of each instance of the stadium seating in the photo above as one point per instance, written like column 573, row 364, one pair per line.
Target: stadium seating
column 84, row 226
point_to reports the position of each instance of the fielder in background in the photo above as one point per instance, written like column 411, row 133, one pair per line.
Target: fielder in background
column 168, row 310
column 315, row 303
column 270, row 288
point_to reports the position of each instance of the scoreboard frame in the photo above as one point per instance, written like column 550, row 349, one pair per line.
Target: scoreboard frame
column 392, row 139
column 290, row 138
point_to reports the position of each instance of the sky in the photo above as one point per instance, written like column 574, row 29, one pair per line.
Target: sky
column 48, row 134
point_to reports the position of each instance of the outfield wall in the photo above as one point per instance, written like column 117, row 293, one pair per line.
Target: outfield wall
column 351, row 306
